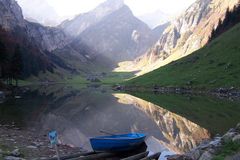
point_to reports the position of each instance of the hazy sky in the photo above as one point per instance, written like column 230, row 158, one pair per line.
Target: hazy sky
column 139, row 7
column 172, row 7
column 53, row 12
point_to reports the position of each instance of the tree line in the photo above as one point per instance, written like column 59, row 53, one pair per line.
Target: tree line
column 11, row 66
column 232, row 17
column 20, row 58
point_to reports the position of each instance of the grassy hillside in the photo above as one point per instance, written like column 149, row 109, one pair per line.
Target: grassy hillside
column 215, row 65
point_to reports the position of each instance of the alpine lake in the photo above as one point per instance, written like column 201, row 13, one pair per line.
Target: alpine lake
column 173, row 123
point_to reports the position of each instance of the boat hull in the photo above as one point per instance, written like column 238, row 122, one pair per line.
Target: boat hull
column 118, row 142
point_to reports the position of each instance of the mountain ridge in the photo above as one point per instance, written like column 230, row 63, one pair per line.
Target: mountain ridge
column 113, row 31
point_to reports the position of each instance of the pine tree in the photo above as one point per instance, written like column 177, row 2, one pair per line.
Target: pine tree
column 213, row 34
column 2, row 57
column 17, row 64
column 231, row 19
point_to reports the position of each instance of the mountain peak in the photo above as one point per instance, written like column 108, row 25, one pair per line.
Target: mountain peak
column 108, row 7
column 77, row 25
column 113, row 3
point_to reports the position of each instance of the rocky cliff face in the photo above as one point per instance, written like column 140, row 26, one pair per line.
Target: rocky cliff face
column 118, row 36
column 186, row 34
column 81, row 22
column 11, row 15
column 48, row 38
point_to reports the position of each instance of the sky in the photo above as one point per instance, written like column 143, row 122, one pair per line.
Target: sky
column 139, row 7
column 70, row 8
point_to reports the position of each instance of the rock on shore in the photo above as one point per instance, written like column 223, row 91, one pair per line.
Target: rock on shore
column 207, row 150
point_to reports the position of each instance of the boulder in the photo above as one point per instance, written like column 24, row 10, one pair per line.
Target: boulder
column 13, row 158
column 236, row 139
column 227, row 138
column 232, row 130
column 195, row 154
column 206, row 156
column 38, row 144
column 238, row 128
column 216, row 142
column 2, row 95
column 31, row 147
column 179, row 157
column 1, row 154
column 173, row 157
column 16, row 153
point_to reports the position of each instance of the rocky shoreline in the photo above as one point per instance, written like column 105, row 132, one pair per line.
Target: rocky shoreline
column 20, row 144
column 208, row 150
column 231, row 93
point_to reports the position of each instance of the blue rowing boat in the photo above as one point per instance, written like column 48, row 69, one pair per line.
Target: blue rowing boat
column 117, row 143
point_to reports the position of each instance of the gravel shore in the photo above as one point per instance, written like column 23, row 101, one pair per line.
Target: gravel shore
column 18, row 144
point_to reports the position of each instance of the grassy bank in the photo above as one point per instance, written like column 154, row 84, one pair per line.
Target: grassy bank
column 215, row 65
column 117, row 77
column 109, row 78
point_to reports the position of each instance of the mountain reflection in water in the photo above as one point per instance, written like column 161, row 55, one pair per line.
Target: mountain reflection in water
column 177, row 133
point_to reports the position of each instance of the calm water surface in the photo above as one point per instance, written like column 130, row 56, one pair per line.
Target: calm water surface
column 172, row 122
